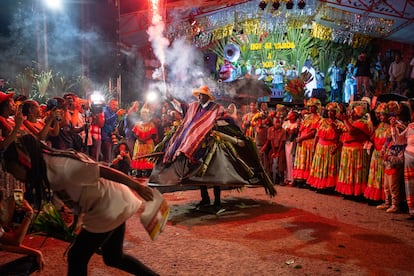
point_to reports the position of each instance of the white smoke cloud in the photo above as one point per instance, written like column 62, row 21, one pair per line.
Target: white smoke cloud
column 64, row 42
column 181, row 61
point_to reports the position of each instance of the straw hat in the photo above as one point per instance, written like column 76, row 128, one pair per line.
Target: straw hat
column 203, row 90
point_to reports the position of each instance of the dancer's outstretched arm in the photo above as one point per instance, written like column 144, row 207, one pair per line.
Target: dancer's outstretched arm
column 117, row 176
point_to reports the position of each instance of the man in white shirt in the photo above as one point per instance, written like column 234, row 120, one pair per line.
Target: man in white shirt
column 311, row 83
column 397, row 72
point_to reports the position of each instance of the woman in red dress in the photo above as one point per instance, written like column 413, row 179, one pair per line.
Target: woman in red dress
column 325, row 165
column 146, row 133
column 380, row 138
column 305, row 140
column 353, row 171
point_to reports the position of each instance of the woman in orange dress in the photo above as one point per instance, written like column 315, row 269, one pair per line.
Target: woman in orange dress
column 325, row 166
column 353, row 171
column 380, row 138
column 146, row 133
column 305, row 140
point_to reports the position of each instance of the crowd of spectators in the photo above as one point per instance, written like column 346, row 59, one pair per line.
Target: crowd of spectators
column 362, row 150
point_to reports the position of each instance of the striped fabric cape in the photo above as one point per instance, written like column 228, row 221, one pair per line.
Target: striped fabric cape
column 192, row 132
column 223, row 162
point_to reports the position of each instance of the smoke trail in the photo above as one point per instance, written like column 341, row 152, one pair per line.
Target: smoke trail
column 182, row 62
column 64, row 38
column 156, row 33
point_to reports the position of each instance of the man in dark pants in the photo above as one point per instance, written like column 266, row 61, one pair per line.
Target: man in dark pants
column 201, row 151
column 205, row 198
column 185, row 149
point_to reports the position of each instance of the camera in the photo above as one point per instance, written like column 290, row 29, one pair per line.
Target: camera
column 51, row 104
column 97, row 108
column 55, row 103
column 18, row 197
column 114, row 138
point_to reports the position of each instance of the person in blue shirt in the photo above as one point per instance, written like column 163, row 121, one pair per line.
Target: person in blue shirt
column 350, row 84
column 111, row 114
column 335, row 75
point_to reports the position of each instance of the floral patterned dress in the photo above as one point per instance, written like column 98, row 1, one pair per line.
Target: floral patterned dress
column 375, row 189
column 144, row 144
column 325, row 164
column 353, row 171
column 304, row 150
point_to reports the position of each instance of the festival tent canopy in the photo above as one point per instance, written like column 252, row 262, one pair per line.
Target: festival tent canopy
column 391, row 20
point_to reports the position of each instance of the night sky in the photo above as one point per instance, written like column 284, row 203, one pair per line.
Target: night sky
column 6, row 8
column 65, row 36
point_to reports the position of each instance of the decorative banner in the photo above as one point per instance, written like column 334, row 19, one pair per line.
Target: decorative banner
column 251, row 26
column 203, row 39
column 360, row 40
column 356, row 23
column 268, row 64
column 297, row 23
column 321, row 32
column 223, row 32
column 270, row 46
column 343, row 37
column 356, row 40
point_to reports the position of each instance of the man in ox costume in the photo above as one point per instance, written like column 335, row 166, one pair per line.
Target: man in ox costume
column 208, row 149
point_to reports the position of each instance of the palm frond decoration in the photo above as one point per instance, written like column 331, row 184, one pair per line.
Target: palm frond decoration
column 84, row 85
column 41, row 82
column 218, row 47
column 303, row 45
column 160, row 147
column 24, row 81
column 50, row 223
column 61, row 84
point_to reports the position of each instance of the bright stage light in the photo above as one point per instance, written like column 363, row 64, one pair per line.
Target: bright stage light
column 97, row 98
column 54, row 4
column 152, row 96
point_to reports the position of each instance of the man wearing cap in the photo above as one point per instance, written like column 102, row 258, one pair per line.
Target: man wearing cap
column 362, row 75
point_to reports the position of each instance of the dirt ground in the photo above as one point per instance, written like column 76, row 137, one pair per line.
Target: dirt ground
column 298, row 232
